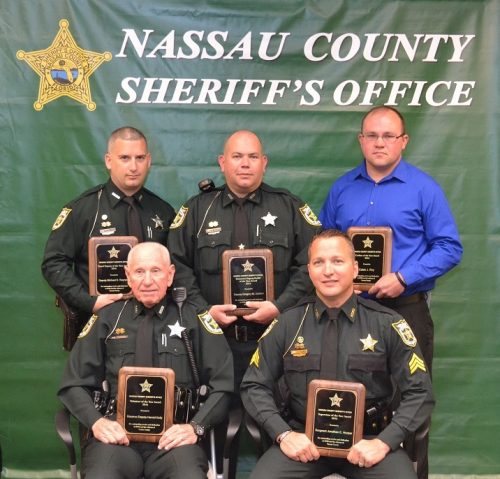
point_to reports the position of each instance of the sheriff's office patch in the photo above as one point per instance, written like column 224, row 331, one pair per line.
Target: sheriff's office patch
column 309, row 215
column 416, row 363
column 209, row 323
column 405, row 333
column 268, row 329
column 86, row 329
column 61, row 218
column 255, row 359
column 179, row 218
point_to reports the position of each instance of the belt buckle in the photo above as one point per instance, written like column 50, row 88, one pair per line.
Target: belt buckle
column 241, row 333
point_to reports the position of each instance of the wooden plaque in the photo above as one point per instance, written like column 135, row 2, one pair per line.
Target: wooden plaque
column 373, row 251
column 335, row 415
column 247, row 275
column 107, row 260
column 145, row 402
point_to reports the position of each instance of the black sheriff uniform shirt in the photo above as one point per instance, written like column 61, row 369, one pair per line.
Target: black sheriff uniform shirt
column 99, row 211
column 375, row 344
column 204, row 227
column 107, row 343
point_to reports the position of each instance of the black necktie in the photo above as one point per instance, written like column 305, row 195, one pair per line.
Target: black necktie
column 133, row 219
column 329, row 345
column 241, row 234
column 144, row 340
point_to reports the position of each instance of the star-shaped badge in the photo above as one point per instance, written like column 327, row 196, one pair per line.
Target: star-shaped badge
column 247, row 266
column 336, row 400
column 369, row 343
column 367, row 242
column 158, row 222
column 241, row 246
column 113, row 252
column 145, row 386
column 269, row 219
column 176, row 329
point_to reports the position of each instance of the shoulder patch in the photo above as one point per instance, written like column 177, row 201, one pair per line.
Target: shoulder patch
column 61, row 218
column 405, row 332
column 209, row 323
column 309, row 215
column 179, row 218
column 86, row 329
column 268, row 329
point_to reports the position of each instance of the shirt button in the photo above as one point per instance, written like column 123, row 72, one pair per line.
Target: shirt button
column 371, row 202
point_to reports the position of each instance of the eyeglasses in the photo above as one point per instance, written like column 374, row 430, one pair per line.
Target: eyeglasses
column 386, row 137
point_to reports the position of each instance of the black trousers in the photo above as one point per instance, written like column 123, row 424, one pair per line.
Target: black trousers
column 275, row 465
column 108, row 461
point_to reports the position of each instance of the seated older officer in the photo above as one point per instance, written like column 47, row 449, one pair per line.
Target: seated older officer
column 374, row 345
column 108, row 342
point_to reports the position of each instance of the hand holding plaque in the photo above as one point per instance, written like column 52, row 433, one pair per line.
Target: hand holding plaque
column 107, row 260
column 247, row 276
column 335, row 415
column 145, row 403
column 373, row 252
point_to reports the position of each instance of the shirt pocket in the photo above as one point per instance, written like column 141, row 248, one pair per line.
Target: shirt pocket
column 278, row 243
column 299, row 372
column 174, row 355
column 210, row 249
column 371, row 370
column 119, row 353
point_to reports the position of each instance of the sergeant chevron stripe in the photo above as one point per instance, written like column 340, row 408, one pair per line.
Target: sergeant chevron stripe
column 416, row 363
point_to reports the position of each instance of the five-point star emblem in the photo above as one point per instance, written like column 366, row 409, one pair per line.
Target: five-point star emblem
column 367, row 243
column 369, row 343
column 176, row 329
column 145, row 386
column 269, row 219
column 336, row 400
column 158, row 222
column 113, row 252
column 247, row 266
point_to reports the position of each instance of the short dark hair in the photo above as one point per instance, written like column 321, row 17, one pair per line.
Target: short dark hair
column 330, row 233
column 126, row 133
column 388, row 108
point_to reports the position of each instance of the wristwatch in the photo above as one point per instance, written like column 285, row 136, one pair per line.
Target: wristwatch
column 199, row 430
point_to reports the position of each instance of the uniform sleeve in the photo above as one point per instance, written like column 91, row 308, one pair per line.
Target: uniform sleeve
column 411, row 376
column 84, row 373
column 444, row 249
column 215, row 362
column 306, row 225
column 62, row 250
column 258, row 385
column 182, row 244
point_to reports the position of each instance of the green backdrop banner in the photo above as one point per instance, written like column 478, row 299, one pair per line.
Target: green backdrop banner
column 300, row 74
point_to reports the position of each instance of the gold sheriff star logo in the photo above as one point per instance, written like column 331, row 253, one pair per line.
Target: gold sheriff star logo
column 367, row 242
column 64, row 69
column 336, row 400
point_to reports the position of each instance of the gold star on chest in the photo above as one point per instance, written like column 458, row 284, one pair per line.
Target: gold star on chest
column 64, row 69
column 269, row 219
column 369, row 343
column 113, row 252
column 241, row 246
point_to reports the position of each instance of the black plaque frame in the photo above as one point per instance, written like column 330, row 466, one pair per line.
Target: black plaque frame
column 373, row 252
column 107, row 273
column 147, row 413
column 335, row 415
column 255, row 286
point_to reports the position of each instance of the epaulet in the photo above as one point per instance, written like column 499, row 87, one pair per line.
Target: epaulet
column 88, row 192
column 149, row 192
column 373, row 305
column 281, row 191
column 301, row 302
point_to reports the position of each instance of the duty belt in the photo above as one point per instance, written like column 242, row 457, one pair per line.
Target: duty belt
column 244, row 332
column 402, row 300
column 376, row 420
